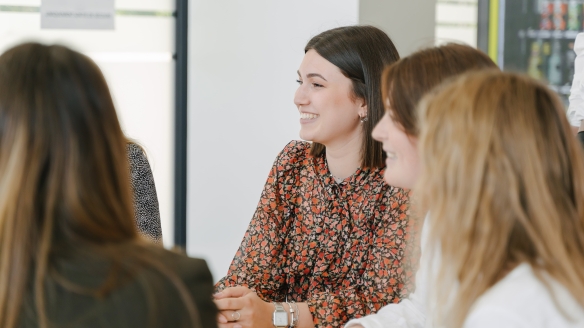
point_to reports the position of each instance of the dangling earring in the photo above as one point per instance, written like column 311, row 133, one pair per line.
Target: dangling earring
column 363, row 119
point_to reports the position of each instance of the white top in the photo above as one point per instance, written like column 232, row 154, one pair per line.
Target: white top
column 576, row 108
column 520, row 300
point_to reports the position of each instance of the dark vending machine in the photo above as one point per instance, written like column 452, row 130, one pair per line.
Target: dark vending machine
column 533, row 36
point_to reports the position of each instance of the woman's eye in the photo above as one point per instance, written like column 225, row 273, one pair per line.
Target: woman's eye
column 299, row 82
column 316, row 85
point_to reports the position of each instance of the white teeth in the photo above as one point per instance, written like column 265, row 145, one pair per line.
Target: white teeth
column 308, row 116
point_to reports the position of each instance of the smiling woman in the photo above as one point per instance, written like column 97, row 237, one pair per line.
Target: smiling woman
column 327, row 232
column 329, row 113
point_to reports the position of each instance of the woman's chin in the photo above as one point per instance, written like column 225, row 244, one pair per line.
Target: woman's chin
column 392, row 179
column 306, row 136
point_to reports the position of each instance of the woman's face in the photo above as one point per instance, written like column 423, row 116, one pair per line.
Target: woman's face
column 402, row 154
column 328, row 113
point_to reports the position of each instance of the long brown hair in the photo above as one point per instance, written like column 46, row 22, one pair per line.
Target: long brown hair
column 503, row 180
column 405, row 82
column 64, row 178
column 360, row 52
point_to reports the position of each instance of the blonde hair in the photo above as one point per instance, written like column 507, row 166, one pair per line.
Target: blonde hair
column 64, row 179
column 503, row 179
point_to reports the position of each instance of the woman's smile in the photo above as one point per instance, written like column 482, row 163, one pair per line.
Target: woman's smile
column 308, row 117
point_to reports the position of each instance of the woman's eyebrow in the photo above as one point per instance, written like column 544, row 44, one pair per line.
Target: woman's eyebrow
column 312, row 75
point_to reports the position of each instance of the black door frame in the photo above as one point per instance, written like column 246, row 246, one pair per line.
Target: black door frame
column 180, row 122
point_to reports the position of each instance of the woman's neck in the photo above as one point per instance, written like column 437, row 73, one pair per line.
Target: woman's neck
column 344, row 158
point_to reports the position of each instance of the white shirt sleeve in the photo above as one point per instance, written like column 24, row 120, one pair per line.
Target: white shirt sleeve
column 410, row 312
column 576, row 107
column 494, row 317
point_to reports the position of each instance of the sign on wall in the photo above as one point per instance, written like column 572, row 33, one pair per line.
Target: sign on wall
column 77, row 14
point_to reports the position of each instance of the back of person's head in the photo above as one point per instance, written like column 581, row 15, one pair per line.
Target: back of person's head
column 64, row 174
column 63, row 164
column 405, row 82
column 63, row 154
column 503, row 180
column 360, row 52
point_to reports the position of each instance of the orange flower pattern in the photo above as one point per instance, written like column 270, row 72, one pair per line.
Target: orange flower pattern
column 337, row 246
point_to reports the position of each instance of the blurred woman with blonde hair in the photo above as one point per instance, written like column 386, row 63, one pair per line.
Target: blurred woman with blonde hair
column 70, row 252
column 501, row 172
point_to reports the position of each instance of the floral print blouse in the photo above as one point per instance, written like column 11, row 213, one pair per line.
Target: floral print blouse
column 337, row 246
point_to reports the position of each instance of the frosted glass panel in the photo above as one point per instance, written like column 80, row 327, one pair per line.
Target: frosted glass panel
column 144, row 96
column 21, row 2
column 136, row 59
column 132, row 34
column 164, row 5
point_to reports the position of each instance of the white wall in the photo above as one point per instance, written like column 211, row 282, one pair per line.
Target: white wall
column 243, row 61
column 409, row 23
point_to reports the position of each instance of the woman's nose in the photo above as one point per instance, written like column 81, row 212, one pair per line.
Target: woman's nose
column 300, row 97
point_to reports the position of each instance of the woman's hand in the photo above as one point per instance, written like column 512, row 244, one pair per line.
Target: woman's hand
column 240, row 307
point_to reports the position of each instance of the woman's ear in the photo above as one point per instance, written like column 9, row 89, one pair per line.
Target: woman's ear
column 362, row 108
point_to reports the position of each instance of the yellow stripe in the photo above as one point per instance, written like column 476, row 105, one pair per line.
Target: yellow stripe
column 494, row 29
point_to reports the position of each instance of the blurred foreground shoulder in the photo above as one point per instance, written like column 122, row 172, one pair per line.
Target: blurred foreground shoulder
column 196, row 276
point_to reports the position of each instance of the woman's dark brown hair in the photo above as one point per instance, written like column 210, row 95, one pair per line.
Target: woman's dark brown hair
column 360, row 52
column 405, row 82
column 64, row 178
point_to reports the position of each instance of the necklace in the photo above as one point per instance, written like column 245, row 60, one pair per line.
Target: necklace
column 340, row 180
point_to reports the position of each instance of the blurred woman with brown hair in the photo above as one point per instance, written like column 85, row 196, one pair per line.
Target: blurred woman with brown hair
column 502, row 172
column 403, row 86
column 69, row 248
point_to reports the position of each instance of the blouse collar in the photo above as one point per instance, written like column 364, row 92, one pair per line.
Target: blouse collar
column 357, row 179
